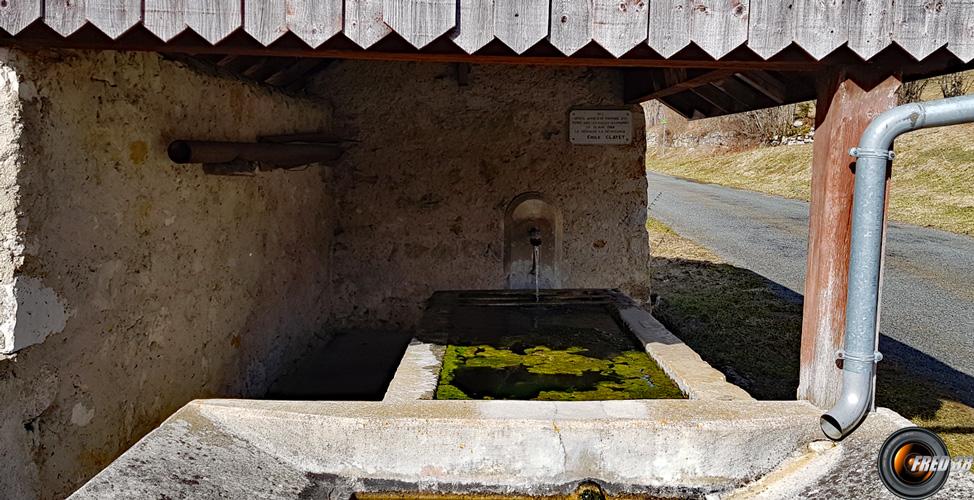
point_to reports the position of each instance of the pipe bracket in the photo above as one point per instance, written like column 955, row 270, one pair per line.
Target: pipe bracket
column 885, row 154
column 875, row 358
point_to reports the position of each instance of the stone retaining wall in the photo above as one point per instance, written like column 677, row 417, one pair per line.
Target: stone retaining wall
column 129, row 285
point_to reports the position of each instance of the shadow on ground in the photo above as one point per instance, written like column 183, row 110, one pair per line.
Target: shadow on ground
column 749, row 328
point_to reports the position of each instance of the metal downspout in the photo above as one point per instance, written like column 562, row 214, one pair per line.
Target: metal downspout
column 860, row 353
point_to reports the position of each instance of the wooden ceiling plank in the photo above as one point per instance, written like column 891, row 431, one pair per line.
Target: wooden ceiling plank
column 772, row 26
column 765, row 83
column 265, row 20
column 678, row 81
column 686, row 105
column 314, row 21
column 364, row 23
column 165, row 18
column 669, row 26
column 673, row 77
column 719, row 26
column 287, row 75
column 241, row 63
column 17, row 15
column 254, row 67
column 268, row 68
column 675, row 106
column 65, row 16
column 870, row 24
column 821, row 25
column 213, row 20
column 746, row 94
column 571, row 25
column 224, row 60
column 520, row 24
column 620, row 26
column 476, row 27
column 960, row 29
column 920, row 28
column 742, row 101
column 420, row 22
column 637, row 83
column 715, row 109
column 714, row 96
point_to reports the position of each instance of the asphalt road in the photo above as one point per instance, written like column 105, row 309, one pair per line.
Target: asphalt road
column 928, row 292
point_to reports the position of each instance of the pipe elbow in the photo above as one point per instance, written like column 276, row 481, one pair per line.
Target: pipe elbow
column 888, row 125
column 852, row 407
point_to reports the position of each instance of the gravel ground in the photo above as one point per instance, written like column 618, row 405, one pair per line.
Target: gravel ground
column 928, row 293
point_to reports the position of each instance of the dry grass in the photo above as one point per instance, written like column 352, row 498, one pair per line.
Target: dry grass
column 750, row 329
column 933, row 175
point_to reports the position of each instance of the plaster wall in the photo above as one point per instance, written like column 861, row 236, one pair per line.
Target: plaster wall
column 130, row 285
column 422, row 197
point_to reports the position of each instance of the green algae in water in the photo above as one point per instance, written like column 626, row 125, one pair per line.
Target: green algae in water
column 543, row 373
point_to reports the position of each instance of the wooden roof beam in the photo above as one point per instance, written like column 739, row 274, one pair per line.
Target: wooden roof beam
column 302, row 68
column 767, row 84
column 689, row 105
column 744, row 93
column 639, row 88
column 719, row 100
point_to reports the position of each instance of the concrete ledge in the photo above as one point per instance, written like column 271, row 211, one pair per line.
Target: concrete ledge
column 666, row 447
column 694, row 376
column 418, row 373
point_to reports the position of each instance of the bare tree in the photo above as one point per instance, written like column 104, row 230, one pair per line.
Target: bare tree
column 955, row 85
column 911, row 91
column 763, row 125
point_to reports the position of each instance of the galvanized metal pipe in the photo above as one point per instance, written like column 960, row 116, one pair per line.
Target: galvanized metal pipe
column 859, row 354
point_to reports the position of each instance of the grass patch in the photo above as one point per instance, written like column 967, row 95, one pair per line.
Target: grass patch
column 932, row 185
column 750, row 329
column 657, row 227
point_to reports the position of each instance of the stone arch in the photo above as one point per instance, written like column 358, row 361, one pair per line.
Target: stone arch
column 526, row 211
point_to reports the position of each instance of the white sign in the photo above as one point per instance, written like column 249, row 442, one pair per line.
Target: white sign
column 600, row 126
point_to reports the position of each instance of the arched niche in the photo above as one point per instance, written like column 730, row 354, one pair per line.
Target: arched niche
column 525, row 212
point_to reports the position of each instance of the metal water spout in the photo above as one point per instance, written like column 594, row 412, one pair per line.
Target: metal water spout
column 534, row 236
column 859, row 355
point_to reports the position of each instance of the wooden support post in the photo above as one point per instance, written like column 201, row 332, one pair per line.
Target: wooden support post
column 846, row 105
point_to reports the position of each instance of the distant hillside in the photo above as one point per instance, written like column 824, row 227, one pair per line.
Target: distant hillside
column 933, row 175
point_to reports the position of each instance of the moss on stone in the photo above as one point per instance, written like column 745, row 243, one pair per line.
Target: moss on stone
column 543, row 373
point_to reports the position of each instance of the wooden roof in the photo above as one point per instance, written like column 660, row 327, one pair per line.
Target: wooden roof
column 717, row 27
column 752, row 49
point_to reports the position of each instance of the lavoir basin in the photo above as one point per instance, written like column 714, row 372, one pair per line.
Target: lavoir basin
column 556, row 345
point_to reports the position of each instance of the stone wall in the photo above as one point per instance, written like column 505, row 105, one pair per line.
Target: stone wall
column 129, row 285
column 422, row 197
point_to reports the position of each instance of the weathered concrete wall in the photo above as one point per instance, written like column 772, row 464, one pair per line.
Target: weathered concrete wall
column 422, row 198
column 141, row 284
